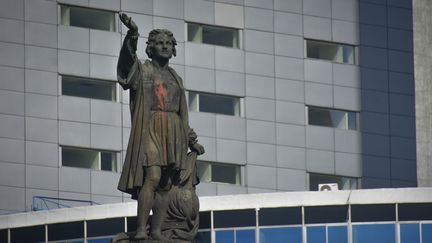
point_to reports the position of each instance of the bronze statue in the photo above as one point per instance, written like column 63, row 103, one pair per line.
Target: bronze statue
column 158, row 170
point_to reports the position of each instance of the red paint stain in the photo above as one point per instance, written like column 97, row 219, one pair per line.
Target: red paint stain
column 161, row 95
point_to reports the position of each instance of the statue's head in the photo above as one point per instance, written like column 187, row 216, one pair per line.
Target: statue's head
column 158, row 37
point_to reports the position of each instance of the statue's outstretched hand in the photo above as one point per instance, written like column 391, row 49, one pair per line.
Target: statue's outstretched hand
column 198, row 148
column 128, row 22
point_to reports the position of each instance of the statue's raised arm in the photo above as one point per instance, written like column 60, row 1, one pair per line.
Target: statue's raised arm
column 128, row 22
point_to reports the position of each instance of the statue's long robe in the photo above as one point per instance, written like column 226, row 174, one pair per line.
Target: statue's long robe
column 138, row 78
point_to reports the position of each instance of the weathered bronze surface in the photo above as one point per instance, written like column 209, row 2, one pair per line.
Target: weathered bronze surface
column 158, row 170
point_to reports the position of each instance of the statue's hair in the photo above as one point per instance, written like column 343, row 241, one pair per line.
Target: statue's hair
column 152, row 38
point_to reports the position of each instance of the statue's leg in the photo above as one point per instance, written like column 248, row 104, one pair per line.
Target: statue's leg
column 146, row 198
column 159, row 213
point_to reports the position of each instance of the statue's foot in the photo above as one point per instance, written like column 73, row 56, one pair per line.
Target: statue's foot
column 158, row 236
column 141, row 235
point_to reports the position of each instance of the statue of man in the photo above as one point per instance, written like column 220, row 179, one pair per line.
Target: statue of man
column 160, row 133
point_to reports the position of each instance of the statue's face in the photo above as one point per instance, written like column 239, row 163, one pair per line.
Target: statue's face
column 163, row 46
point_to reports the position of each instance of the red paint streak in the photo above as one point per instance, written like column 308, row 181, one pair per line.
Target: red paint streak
column 161, row 95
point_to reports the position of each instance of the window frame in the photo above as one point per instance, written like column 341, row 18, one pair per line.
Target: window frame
column 355, row 60
column 116, row 91
column 201, row 25
column 194, row 105
column 60, row 21
column 239, row 169
column 355, row 180
column 356, row 119
column 116, row 156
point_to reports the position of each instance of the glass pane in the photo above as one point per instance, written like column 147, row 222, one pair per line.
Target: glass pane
column 316, row 234
column 280, row 216
column 426, row 233
column 409, row 233
column 225, row 173
column 245, row 236
column 374, row 233
column 218, row 104
column 193, row 101
column 352, row 121
column 194, row 33
column 203, row 237
column 220, row 36
column 370, row 213
column 234, row 218
column 28, row 234
column 64, row 231
column 281, row 235
column 326, row 214
column 81, row 158
column 204, row 171
column 105, row 227
column 204, row 220
column 108, row 161
column 3, row 235
column 225, row 236
column 89, row 88
column 91, row 18
column 415, row 211
column 337, row 234
column 348, row 54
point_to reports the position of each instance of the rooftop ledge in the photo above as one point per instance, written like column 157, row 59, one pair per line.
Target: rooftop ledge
column 229, row 202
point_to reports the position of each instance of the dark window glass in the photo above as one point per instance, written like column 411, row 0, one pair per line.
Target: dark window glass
column 245, row 236
column 225, row 236
column 204, row 220
column 203, row 237
column 28, row 234
column 64, row 231
column 374, row 233
column 369, row 213
column 280, row 216
column 89, row 88
column 332, row 118
column 87, row 18
column 213, row 35
column 426, row 233
column 337, row 234
column 234, row 218
column 326, row 214
column 415, row 211
column 3, row 235
column 132, row 224
column 281, row 235
column 409, row 233
column 108, row 161
column 316, row 234
column 105, row 227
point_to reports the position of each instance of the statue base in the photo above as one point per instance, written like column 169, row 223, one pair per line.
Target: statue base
column 128, row 238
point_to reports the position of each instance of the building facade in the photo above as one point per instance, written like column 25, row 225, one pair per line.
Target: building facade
column 402, row 215
column 284, row 95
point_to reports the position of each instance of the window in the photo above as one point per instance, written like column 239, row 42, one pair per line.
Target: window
column 87, row 18
column 89, row 158
column 332, row 118
column 217, row 172
column 330, row 51
column 344, row 183
column 213, row 35
column 221, row 104
column 89, row 88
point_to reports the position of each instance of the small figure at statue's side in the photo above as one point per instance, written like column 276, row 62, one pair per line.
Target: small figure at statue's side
column 158, row 171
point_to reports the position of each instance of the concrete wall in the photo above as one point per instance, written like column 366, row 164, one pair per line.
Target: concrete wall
column 423, row 88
